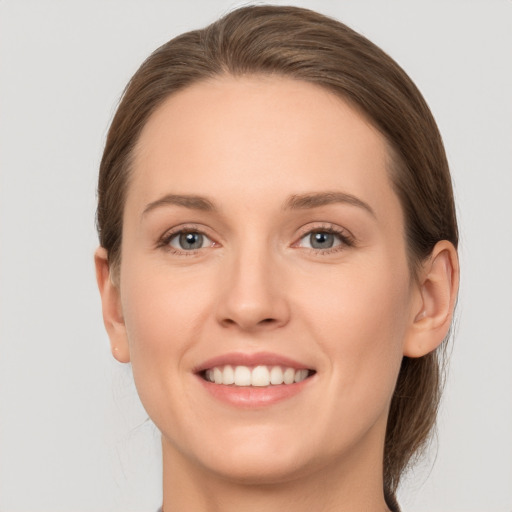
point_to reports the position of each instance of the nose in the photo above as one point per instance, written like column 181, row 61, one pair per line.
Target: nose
column 253, row 295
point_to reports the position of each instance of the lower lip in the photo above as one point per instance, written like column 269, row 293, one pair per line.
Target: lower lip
column 253, row 396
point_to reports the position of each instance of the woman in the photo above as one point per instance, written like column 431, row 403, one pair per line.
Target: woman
column 278, row 262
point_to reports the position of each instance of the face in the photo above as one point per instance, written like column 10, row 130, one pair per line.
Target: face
column 264, row 287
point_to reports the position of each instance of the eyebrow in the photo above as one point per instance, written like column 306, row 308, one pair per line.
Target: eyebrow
column 187, row 201
column 294, row 202
column 307, row 201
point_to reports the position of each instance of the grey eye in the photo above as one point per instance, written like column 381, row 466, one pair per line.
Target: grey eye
column 320, row 240
column 189, row 241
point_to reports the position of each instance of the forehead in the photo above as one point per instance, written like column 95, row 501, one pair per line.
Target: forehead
column 243, row 135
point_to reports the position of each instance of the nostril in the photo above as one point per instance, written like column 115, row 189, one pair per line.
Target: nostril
column 264, row 323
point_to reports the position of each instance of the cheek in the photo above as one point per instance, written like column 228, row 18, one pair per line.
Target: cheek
column 164, row 313
column 162, row 309
column 360, row 322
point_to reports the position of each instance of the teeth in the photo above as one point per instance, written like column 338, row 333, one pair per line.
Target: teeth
column 228, row 375
column 300, row 375
column 289, row 376
column 242, row 376
column 259, row 376
column 217, row 375
column 276, row 375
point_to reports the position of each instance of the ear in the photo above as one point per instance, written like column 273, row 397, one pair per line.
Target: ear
column 111, row 307
column 438, row 284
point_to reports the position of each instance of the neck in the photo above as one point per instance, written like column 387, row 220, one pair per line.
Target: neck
column 353, row 484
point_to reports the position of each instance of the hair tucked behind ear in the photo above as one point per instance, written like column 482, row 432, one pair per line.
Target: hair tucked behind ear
column 304, row 45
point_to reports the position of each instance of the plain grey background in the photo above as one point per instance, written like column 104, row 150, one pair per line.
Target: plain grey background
column 73, row 436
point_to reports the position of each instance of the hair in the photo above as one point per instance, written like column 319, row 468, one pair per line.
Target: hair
column 304, row 45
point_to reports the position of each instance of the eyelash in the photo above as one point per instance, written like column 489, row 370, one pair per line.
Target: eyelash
column 346, row 239
column 165, row 241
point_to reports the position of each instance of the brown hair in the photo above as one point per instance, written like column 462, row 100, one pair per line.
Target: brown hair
column 307, row 46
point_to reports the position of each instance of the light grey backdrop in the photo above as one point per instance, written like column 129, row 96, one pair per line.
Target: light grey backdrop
column 73, row 436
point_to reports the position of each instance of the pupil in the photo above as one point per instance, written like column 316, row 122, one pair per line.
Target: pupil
column 191, row 240
column 322, row 240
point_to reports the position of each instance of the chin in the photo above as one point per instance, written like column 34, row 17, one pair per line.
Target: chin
column 264, row 470
column 252, row 456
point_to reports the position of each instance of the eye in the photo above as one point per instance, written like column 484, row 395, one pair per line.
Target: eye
column 189, row 241
column 320, row 240
column 325, row 239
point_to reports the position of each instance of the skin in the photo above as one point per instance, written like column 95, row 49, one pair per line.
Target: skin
column 249, row 145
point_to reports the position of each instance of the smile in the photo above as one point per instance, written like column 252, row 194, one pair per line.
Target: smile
column 254, row 380
column 257, row 376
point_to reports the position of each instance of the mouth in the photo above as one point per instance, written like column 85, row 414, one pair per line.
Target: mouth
column 255, row 376
column 253, row 380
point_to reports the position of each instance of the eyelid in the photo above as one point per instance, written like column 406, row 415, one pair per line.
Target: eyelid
column 346, row 237
column 177, row 236
column 165, row 239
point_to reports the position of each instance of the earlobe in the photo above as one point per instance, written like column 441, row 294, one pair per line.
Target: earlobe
column 111, row 307
column 438, row 286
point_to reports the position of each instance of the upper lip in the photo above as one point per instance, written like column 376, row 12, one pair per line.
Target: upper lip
column 252, row 359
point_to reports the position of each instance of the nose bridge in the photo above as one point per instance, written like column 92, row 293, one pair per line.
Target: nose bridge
column 252, row 295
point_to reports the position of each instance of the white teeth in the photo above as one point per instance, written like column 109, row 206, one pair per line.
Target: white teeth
column 276, row 376
column 242, row 376
column 228, row 375
column 289, row 376
column 259, row 376
column 217, row 375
